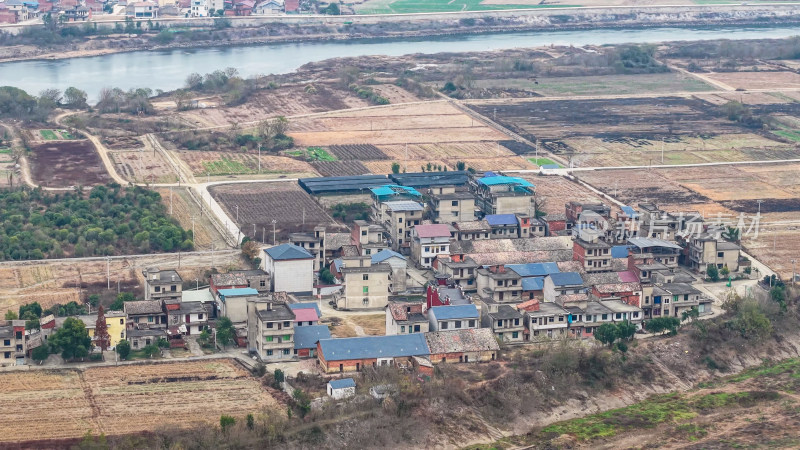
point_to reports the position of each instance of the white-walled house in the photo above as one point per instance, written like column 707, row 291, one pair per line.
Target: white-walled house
column 291, row 269
column 453, row 317
column 339, row 389
column 232, row 303
column 428, row 242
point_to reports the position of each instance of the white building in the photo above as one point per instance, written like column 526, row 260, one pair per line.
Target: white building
column 199, row 8
column 453, row 317
column 344, row 388
column 291, row 269
column 232, row 303
column 428, row 242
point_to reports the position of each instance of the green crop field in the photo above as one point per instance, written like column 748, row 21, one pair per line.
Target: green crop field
column 432, row 6
column 66, row 135
column 48, row 135
column 319, row 154
column 543, row 161
column 226, row 166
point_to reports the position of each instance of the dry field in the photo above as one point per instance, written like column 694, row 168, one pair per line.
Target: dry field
column 757, row 80
column 68, row 404
column 725, row 193
column 289, row 100
column 67, row 163
column 433, row 122
column 183, row 210
column 203, row 163
column 291, row 207
column 143, row 166
column 556, row 191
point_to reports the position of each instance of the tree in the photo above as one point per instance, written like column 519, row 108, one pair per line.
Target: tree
column 690, row 314
column 662, row 324
column 40, row 353
column 626, row 330
column 226, row 422
column 34, row 310
column 461, row 165
column 250, row 250
column 712, row 272
column 326, row 276
column 251, row 422
column 50, row 98
column 724, row 271
column 731, row 234
column 11, row 315
column 124, row 349
column 606, row 333
column 32, row 324
column 72, row 339
column 395, row 167
column 94, row 300
column 75, row 98
column 119, row 302
column 225, row 331
column 101, row 336
column 204, row 338
column 332, row 9
column 778, row 294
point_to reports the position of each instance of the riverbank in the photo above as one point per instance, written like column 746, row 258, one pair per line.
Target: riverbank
column 171, row 34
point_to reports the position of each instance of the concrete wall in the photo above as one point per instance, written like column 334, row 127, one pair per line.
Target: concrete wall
column 295, row 275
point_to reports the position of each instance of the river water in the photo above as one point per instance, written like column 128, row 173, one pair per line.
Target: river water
column 167, row 69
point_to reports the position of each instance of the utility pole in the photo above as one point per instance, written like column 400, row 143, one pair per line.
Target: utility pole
column 237, row 215
column 759, row 207
column 259, row 158
column 254, row 231
column 273, row 230
column 263, row 233
column 793, row 272
column 192, row 229
column 179, row 259
column 662, row 151
column 170, row 200
column 108, row 272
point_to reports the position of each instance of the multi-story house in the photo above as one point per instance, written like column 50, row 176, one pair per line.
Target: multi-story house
column 472, row 231
column 447, row 205
column 454, row 317
column 659, row 250
column 199, row 8
column 406, row 317
column 145, row 314
column 313, row 243
column 461, row 271
column 497, row 284
column 546, row 321
column 12, row 345
column 232, row 303
column 574, row 209
column 270, row 330
column 592, row 251
column 399, row 266
column 290, row 268
column 672, row 299
column 399, row 219
column 164, row 285
column 562, row 283
column 705, row 250
column 506, row 323
column 655, row 223
column 497, row 194
column 368, row 238
column 366, row 285
column 428, row 242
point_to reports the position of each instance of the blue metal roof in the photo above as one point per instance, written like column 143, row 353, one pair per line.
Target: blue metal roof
column 534, row 269
column 374, row 347
column 394, row 189
column 566, row 278
column 501, row 219
column 549, row 166
column 337, row 264
column 502, row 179
column 288, row 251
column 343, row 383
column 307, row 336
column 235, row 292
column 385, row 254
column 630, row 212
column 533, row 284
column 294, row 306
column 454, row 312
column 619, row 251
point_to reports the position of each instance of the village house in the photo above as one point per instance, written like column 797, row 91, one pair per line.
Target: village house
column 655, row 223
column 313, row 243
column 506, row 323
column 659, row 250
column 705, row 250
column 194, row 318
column 140, row 339
column 460, row 271
column 472, row 231
column 399, row 266
column 428, row 242
column 232, row 303
column 498, row 194
column 464, row 346
column 497, row 284
column 305, row 305
column 305, row 317
column 270, row 330
column 562, row 283
column 306, row 338
column 445, row 295
column 514, row 251
column 672, row 299
column 353, row 354
column 290, row 268
column 12, row 345
column 255, row 278
column 400, row 217
column 268, row 7
column 509, row 226
column 163, row 285
column 574, row 209
column 556, row 224
column 592, row 251
column 403, row 317
column 442, row 318
column 145, row 314
column 366, row 285
column 116, row 326
column 368, row 238
column 142, row 10
column 545, row 321
column 533, row 277
column 342, row 388
column 627, row 223
column 449, row 205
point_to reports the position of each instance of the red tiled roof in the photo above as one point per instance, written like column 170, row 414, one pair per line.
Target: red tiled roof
column 306, row 315
column 433, row 230
column 291, row 5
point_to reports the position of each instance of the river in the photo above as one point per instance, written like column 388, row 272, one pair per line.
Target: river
column 167, row 69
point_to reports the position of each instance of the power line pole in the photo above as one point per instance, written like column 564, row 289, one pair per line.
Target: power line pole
column 108, row 272
column 170, row 200
column 273, row 231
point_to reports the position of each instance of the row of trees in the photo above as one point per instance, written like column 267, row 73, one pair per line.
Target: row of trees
column 108, row 221
column 234, row 89
column 18, row 104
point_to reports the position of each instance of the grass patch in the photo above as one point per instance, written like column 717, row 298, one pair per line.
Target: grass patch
column 791, row 366
column 5, row 150
column 691, row 431
column 226, row 166
column 48, row 135
column 788, row 134
column 67, row 135
column 319, row 154
column 543, row 161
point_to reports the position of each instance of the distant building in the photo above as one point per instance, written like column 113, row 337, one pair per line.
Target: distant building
column 497, row 194
column 343, row 388
column 270, row 330
column 366, row 285
column 442, row 318
column 428, row 242
column 163, row 285
column 463, row 346
column 306, row 338
column 592, row 251
column 406, row 317
column 353, row 354
column 291, row 269
column 232, row 303
column 448, row 205
column 398, row 264
column 142, row 10
column 145, row 314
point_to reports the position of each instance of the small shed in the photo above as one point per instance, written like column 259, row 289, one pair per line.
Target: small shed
column 343, row 388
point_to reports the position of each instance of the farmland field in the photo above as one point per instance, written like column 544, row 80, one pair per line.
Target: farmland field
column 99, row 400
column 229, row 163
column 418, row 6
column 758, row 80
column 722, row 193
column 48, row 135
column 65, row 164
column 143, row 166
column 292, row 208
column 600, row 85
column 183, row 210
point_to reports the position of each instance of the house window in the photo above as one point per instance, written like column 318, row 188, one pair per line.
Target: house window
column 427, row 249
column 368, row 251
column 402, row 328
column 269, row 338
column 365, row 301
column 454, row 203
column 366, row 290
column 458, row 324
column 158, row 288
column 363, row 232
column 636, row 314
column 122, row 321
column 686, row 297
column 172, row 288
column 263, row 283
column 618, row 316
column 269, row 352
column 365, row 277
column 7, row 355
column 720, row 255
column 516, row 322
column 560, row 318
column 444, row 325
column 515, row 334
column 400, row 220
column 287, row 324
column 416, row 328
column 551, row 319
column 122, row 335
column 7, row 342
column 286, row 351
column 471, row 323
column 499, row 283
column 269, row 324
column 605, row 316
column 499, row 323
column 150, row 319
column 666, row 300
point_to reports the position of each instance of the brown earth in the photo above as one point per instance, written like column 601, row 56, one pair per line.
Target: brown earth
column 65, row 164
